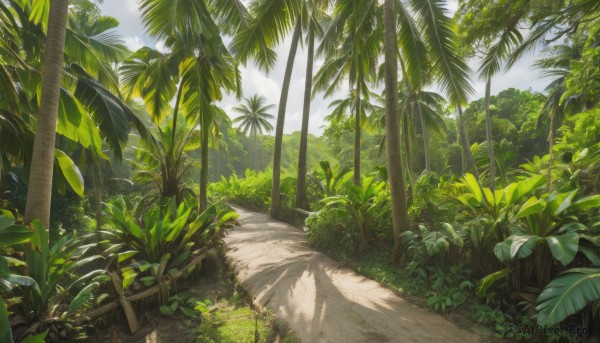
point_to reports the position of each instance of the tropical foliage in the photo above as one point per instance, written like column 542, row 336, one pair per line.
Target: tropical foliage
column 487, row 206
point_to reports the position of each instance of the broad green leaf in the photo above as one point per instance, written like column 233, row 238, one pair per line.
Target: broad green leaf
column 5, row 327
column 523, row 245
column 585, row 203
column 591, row 255
column 6, row 222
column 564, row 247
column 70, row 172
column 533, row 205
column 566, row 203
column 14, row 234
column 529, row 185
column 473, row 186
column 123, row 256
column 37, row 338
column 129, row 276
column 568, row 294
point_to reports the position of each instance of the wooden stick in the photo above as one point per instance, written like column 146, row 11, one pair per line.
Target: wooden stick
column 134, row 325
column 145, row 293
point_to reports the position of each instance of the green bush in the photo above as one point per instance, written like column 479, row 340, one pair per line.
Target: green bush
column 148, row 242
column 42, row 283
column 330, row 229
column 254, row 190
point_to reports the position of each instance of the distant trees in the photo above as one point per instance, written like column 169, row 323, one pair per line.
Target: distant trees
column 254, row 119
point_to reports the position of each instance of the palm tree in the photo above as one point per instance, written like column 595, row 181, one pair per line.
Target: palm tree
column 510, row 38
column 271, row 21
column 193, row 72
column 88, row 112
column 39, row 192
column 301, row 198
column 557, row 66
column 351, row 45
column 254, row 119
column 427, row 49
column 393, row 145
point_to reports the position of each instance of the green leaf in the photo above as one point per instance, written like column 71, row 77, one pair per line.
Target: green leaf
column 166, row 310
column 70, row 172
column 523, row 245
column 39, row 338
column 585, row 203
column 123, row 256
column 14, row 234
column 148, row 280
column 533, row 205
column 6, row 222
column 591, row 255
column 82, row 297
column 566, row 203
column 473, row 186
column 502, row 250
column 129, row 276
column 489, row 280
column 564, row 247
column 567, row 295
column 5, row 328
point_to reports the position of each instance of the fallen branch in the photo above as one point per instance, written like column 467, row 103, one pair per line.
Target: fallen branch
column 163, row 282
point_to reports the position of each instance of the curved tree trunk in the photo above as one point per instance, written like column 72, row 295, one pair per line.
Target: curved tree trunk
column 204, row 165
column 488, row 134
column 392, row 129
column 275, row 196
column 409, row 166
column 356, row 176
column 550, row 148
column 467, row 156
column 255, row 152
column 425, row 133
column 39, row 193
column 301, row 199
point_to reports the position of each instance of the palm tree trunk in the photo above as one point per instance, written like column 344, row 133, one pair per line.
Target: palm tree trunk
column 425, row 133
column 97, row 180
column 204, row 166
column 255, row 152
column 275, row 196
column 550, row 148
column 409, row 167
column 39, row 193
column 488, row 134
column 467, row 156
column 356, row 176
column 301, row 199
column 392, row 129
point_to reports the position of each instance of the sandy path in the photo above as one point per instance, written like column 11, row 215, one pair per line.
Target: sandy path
column 321, row 301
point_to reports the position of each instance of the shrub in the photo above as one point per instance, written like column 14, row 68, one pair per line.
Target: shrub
column 254, row 190
column 149, row 242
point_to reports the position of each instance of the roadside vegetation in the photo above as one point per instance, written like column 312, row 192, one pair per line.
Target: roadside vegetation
column 117, row 166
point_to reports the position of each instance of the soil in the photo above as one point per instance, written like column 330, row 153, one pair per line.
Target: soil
column 319, row 298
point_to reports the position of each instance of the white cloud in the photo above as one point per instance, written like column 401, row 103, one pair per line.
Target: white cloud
column 133, row 42
column 255, row 81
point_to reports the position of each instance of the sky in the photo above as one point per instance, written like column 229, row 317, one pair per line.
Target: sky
column 254, row 81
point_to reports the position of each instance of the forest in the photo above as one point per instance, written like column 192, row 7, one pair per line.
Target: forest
column 121, row 171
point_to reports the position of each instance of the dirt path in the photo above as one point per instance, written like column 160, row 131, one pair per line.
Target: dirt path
column 321, row 301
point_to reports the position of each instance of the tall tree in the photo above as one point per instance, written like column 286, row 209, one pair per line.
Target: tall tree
column 301, row 198
column 351, row 45
column 195, row 69
column 254, row 119
column 39, row 192
column 393, row 145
